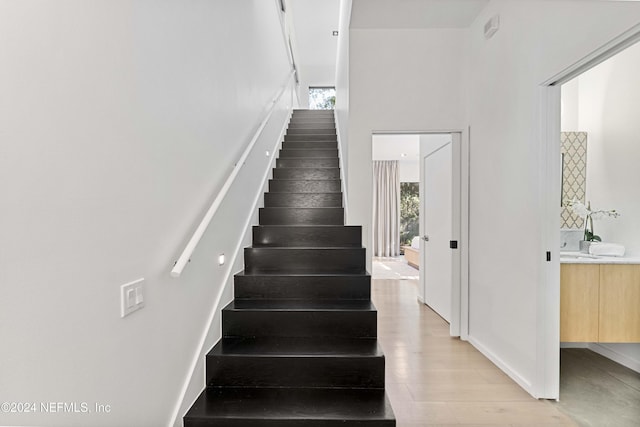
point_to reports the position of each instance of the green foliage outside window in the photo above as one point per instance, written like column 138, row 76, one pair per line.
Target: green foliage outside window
column 322, row 98
column 409, row 211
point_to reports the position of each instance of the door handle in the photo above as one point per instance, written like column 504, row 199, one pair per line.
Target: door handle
column 425, row 238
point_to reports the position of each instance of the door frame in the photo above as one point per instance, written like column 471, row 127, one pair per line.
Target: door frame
column 548, row 295
column 461, row 177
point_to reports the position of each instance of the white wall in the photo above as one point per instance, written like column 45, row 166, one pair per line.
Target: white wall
column 120, row 122
column 533, row 44
column 570, row 117
column 409, row 170
column 404, row 148
column 314, row 76
column 315, row 46
column 606, row 105
column 609, row 98
column 400, row 80
column 416, row 80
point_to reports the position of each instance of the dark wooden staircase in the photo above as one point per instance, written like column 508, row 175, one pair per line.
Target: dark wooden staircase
column 299, row 342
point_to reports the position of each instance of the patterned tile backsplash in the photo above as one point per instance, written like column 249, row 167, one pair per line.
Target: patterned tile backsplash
column 574, row 176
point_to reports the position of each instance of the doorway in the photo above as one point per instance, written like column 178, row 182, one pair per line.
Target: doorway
column 440, row 166
column 555, row 112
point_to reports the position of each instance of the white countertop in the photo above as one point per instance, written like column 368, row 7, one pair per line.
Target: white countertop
column 583, row 258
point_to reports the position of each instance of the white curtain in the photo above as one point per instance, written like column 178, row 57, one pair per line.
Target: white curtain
column 386, row 208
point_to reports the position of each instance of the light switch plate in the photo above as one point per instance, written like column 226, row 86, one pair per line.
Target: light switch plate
column 131, row 297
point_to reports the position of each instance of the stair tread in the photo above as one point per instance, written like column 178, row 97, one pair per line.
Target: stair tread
column 297, row 346
column 307, row 225
column 329, row 275
column 285, row 191
column 301, row 150
column 300, row 305
column 309, row 138
column 321, row 207
column 295, row 404
column 304, row 248
column 302, row 193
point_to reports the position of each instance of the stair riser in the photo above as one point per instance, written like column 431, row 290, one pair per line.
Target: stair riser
column 302, row 287
column 343, row 324
column 320, row 128
column 306, row 173
column 314, row 113
column 301, row 261
column 290, row 407
column 265, row 371
column 315, row 124
column 296, row 145
column 321, row 236
column 310, row 138
column 315, row 186
column 307, row 236
column 302, row 200
column 313, row 116
column 306, row 131
column 301, row 216
column 312, row 124
column 307, row 163
column 308, row 153
column 323, row 113
column 292, row 422
column 325, row 120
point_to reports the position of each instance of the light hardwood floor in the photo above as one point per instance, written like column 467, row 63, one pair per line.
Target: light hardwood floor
column 435, row 380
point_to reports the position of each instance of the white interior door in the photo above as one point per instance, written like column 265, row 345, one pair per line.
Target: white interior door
column 439, row 225
column 436, row 253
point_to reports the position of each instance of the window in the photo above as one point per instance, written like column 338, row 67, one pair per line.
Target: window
column 409, row 211
column 322, row 98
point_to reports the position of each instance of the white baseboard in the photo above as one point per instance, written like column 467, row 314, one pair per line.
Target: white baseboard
column 617, row 357
column 512, row 373
column 574, row 345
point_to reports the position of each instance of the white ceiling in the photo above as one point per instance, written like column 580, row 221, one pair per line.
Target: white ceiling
column 408, row 14
column 314, row 22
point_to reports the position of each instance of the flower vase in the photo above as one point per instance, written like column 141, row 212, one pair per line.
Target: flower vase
column 584, row 246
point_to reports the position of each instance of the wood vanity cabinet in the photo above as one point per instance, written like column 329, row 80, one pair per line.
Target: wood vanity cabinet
column 579, row 289
column 619, row 319
column 600, row 303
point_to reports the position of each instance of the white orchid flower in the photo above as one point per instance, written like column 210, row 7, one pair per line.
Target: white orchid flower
column 589, row 215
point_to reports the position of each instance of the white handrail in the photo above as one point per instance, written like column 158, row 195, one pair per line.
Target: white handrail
column 342, row 169
column 215, row 307
column 197, row 235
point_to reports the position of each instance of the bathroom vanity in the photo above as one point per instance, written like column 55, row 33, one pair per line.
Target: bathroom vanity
column 599, row 298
